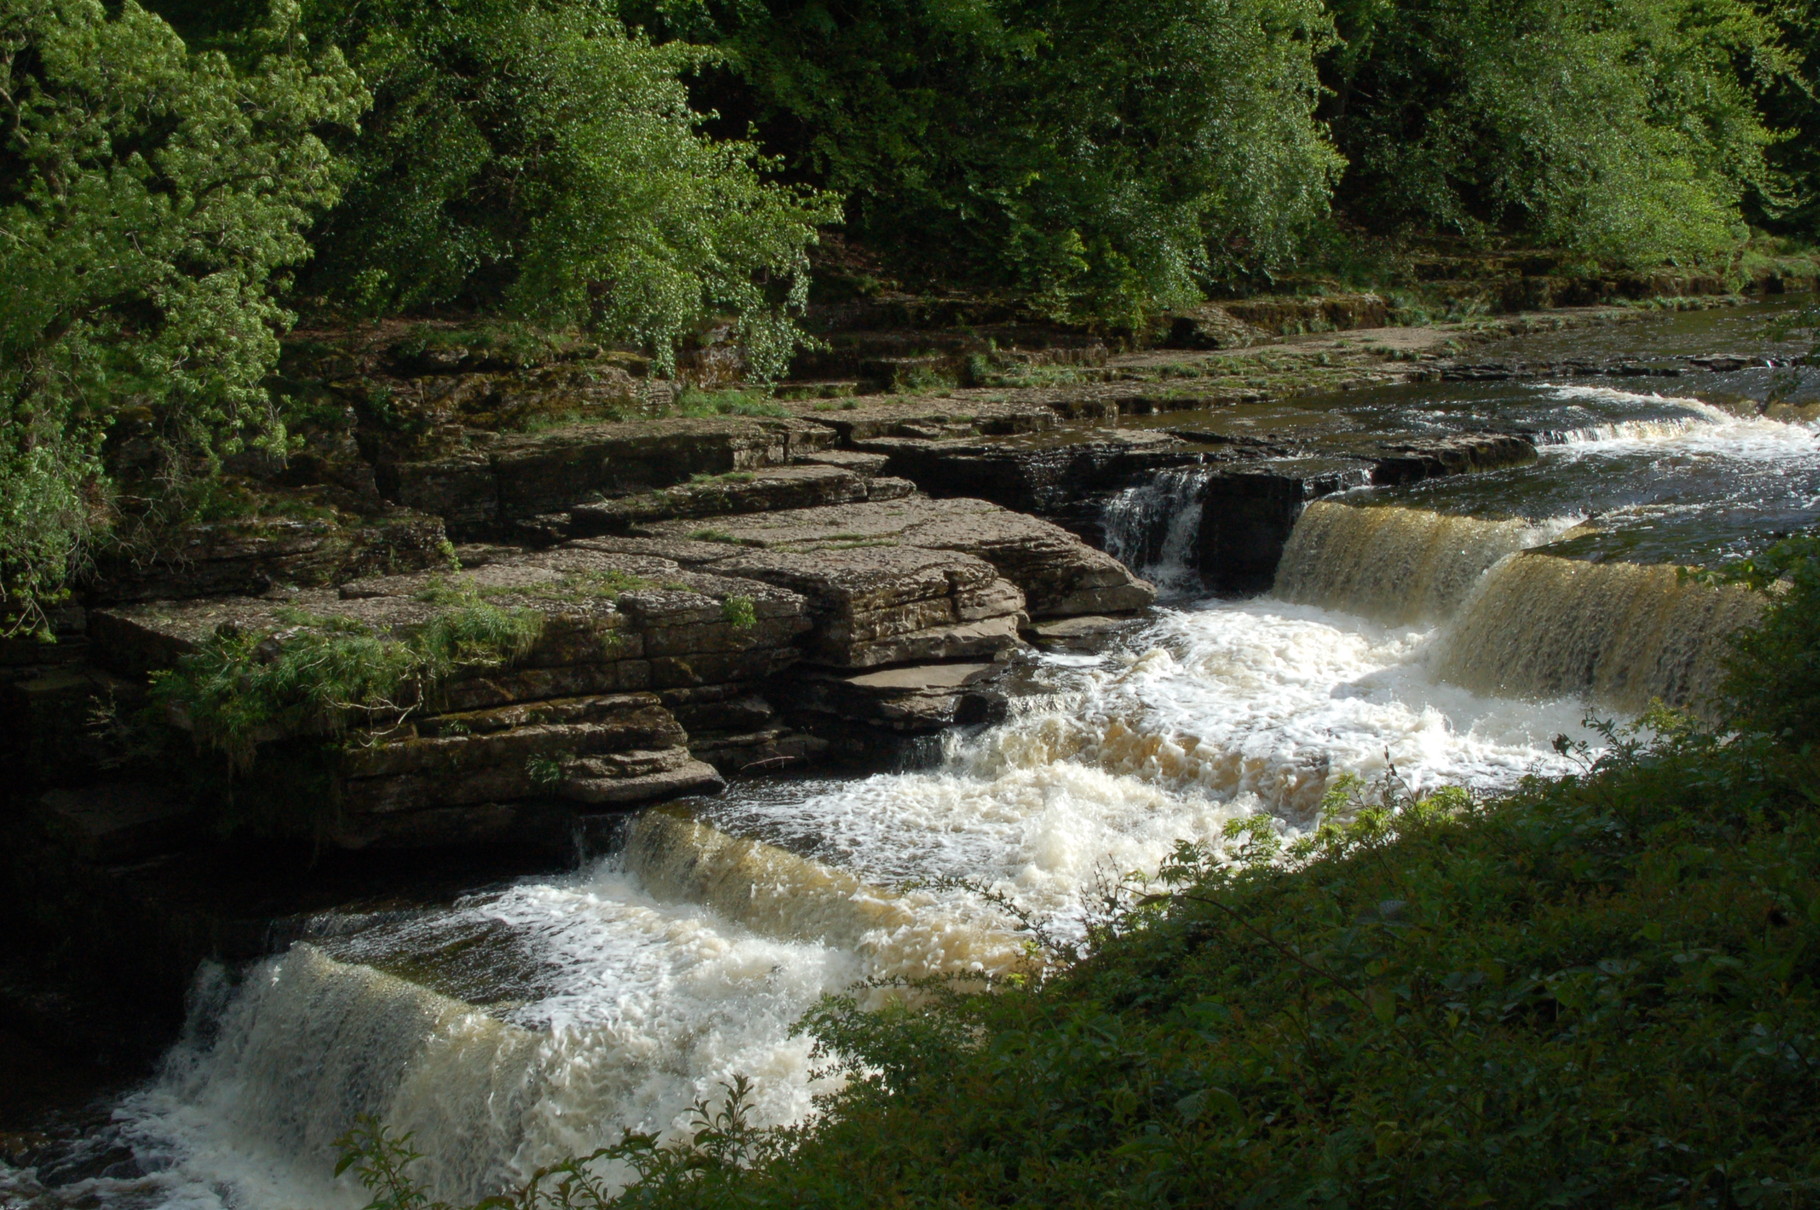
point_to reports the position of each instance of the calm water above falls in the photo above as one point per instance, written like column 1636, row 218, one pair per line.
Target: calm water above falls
column 1451, row 630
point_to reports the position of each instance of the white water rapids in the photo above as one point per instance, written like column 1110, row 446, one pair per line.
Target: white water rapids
column 540, row 1021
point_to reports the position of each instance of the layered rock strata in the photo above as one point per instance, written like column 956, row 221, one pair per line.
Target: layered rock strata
column 659, row 659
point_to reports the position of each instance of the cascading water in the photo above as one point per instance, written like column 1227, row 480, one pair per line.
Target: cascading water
column 1443, row 633
column 1153, row 526
column 1396, row 565
column 1623, row 633
column 778, row 893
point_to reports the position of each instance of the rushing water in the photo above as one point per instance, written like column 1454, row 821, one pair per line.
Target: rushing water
column 1448, row 631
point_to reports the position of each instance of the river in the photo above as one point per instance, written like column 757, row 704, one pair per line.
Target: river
column 1442, row 633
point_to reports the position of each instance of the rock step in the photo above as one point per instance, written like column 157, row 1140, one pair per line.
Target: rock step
column 482, row 492
column 801, row 486
column 915, row 698
column 1058, row 573
column 599, row 724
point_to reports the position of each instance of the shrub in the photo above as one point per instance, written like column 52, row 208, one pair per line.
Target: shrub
column 739, row 612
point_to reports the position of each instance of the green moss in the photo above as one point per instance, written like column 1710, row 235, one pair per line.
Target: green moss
column 580, row 587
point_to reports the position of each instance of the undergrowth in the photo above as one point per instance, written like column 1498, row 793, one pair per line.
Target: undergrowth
column 694, row 402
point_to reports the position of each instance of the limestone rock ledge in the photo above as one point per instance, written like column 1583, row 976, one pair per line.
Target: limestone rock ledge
column 665, row 659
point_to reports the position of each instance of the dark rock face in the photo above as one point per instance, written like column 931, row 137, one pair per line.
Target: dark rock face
column 1248, row 513
column 481, row 492
column 251, row 556
column 1412, row 461
column 1060, row 475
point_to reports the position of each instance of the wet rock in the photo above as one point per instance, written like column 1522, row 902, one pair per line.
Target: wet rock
column 1249, row 511
column 914, row 699
column 1061, row 473
column 1084, row 633
column 1411, row 461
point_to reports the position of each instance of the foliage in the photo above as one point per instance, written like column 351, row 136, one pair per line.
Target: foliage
column 705, row 1167
column 322, row 674
column 545, row 769
column 694, row 402
column 541, row 159
column 1790, row 103
column 150, row 197
column 1102, row 160
column 739, row 612
column 1775, row 679
column 1616, row 128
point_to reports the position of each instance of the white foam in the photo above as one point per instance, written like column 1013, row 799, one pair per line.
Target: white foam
column 646, row 1007
column 1231, row 709
column 1706, row 431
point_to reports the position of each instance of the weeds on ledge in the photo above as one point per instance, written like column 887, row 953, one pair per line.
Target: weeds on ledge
column 327, row 673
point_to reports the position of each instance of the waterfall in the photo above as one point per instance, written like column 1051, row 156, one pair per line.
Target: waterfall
column 309, row 1044
column 1153, row 527
column 777, row 893
column 1621, row 430
column 638, row 987
column 1541, row 626
column 1394, row 565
